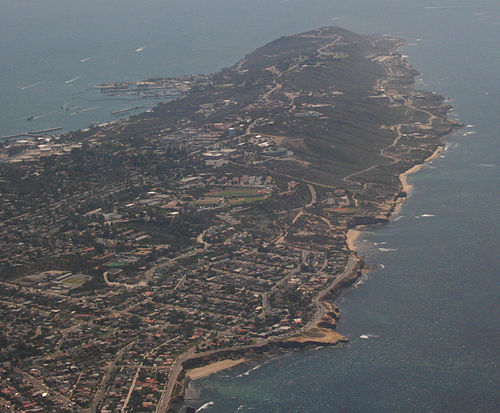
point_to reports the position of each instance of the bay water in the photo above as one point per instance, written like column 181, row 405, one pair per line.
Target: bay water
column 431, row 314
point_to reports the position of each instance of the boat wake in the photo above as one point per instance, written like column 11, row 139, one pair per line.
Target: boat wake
column 388, row 249
column 436, row 7
column 140, row 49
column 28, row 86
column 69, row 82
column 425, row 216
column 88, row 109
column 85, row 59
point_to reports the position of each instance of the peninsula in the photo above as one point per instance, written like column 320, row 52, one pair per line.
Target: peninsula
column 207, row 231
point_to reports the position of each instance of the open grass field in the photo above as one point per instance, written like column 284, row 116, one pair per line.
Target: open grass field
column 246, row 200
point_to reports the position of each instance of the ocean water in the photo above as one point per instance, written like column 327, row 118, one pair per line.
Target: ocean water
column 432, row 313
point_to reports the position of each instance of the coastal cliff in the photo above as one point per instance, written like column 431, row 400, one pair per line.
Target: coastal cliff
column 213, row 229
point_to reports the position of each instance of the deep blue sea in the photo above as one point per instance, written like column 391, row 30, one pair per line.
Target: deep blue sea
column 432, row 313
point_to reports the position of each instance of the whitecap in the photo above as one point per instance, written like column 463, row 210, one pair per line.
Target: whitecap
column 205, row 406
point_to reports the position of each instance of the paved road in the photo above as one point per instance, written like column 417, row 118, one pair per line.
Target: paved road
column 104, row 383
column 39, row 384
column 169, row 388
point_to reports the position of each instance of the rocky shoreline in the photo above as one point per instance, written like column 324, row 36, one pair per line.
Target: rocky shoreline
column 322, row 332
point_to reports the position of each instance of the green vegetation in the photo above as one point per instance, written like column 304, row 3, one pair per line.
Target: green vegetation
column 246, row 200
column 235, row 193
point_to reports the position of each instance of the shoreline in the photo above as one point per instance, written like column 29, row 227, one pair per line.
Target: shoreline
column 404, row 176
column 351, row 238
column 333, row 289
column 215, row 367
column 407, row 187
column 352, row 235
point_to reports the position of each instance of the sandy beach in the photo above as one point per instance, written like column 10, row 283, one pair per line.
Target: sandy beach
column 212, row 368
column 351, row 237
column 403, row 177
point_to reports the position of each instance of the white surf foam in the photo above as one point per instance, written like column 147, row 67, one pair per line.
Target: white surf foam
column 367, row 336
column 205, row 406
column 247, row 373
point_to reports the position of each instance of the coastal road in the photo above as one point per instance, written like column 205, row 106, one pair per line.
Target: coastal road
column 139, row 367
column 318, row 299
column 169, row 388
column 171, row 383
